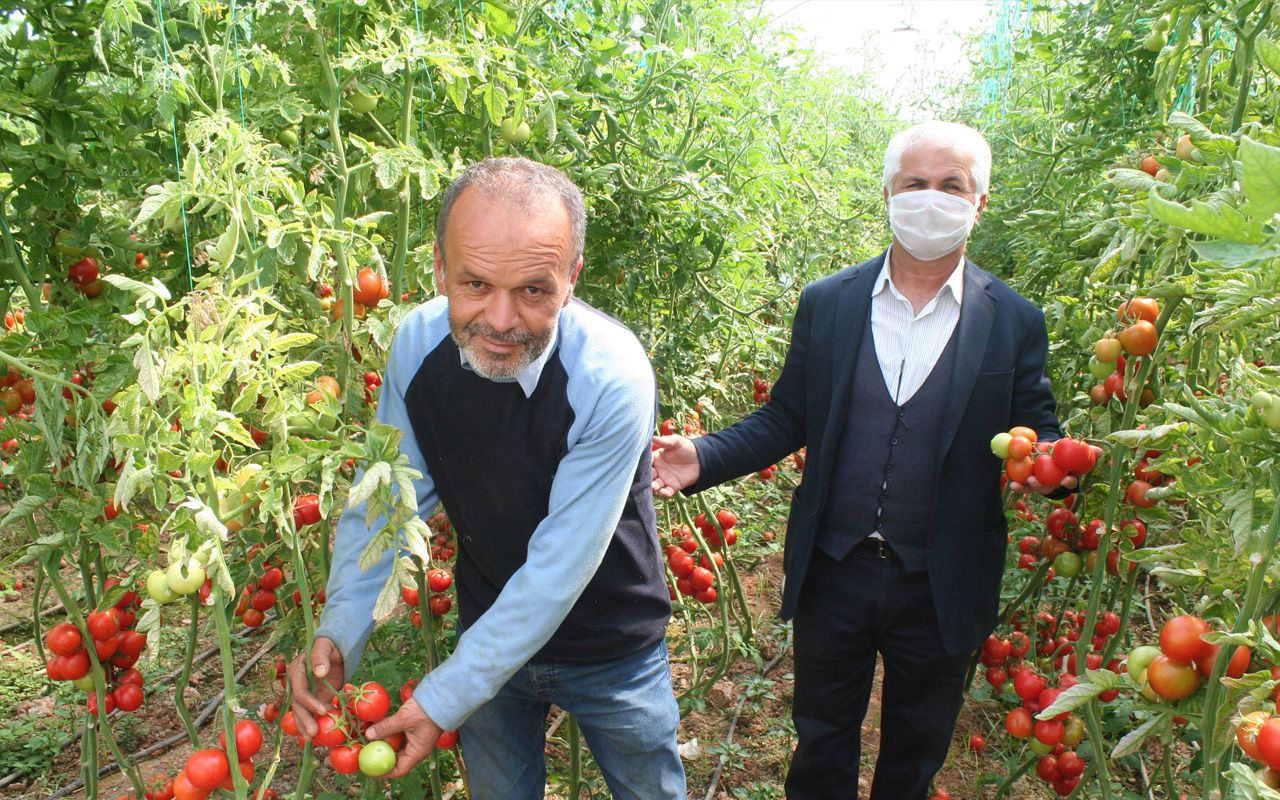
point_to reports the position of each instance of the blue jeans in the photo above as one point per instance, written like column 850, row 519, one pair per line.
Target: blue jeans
column 625, row 708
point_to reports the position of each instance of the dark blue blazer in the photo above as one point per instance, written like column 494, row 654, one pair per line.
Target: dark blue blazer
column 999, row 381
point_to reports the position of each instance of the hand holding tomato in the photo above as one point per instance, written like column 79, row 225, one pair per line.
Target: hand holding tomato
column 326, row 665
column 421, row 734
column 675, row 465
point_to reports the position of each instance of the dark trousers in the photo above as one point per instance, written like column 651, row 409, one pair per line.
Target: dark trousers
column 850, row 610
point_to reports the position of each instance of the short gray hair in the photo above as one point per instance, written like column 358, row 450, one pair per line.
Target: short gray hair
column 953, row 134
column 523, row 182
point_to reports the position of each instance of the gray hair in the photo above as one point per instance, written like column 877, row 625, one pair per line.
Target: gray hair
column 522, row 182
column 951, row 134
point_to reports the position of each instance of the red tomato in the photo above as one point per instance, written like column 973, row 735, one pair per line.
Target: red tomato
column 1049, row 731
column 345, row 759
column 184, row 789
column 271, row 579
column 1070, row 765
column 329, row 730
column 371, row 702
column 368, row 287
column 1235, row 667
column 288, row 724
column 1073, row 455
column 439, row 604
column 1019, row 470
column 447, row 740
column 1028, row 684
column 1139, row 339
column 702, row 578
column 1018, row 723
column 1247, row 732
column 1268, row 742
column 976, row 743
column 63, row 639
column 1047, row 769
column 306, row 510
column 1144, row 308
column 132, row 642
column 83, row 271
column 1047, row 471
column 438, row 580
column 128, row 697
column 1020, row 447
column 1172, row 680
column 207, row 768
column 263, row 599
column 406, row 691
column 248, row 739
column 253, row 618
column 1180, row 638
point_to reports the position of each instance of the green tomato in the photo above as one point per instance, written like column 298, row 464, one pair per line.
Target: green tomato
column 1271, row 414
column 288, row 137
column 85, row 682
column 513, row 132
column 1261, row 400
column 1038, row 747
column 377, row 759
column 185, row 578
column 361, row 102
column 1000, row 445
column 1139, row 659
column 1154, row 41
column 158, row 587
column 1067, row 565
column 1100, row 369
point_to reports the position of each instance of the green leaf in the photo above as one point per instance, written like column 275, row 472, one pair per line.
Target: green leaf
column 1239, row 507
column 1095, row 683
column 1247, row 784
column 1218, row 221
column 494, row 99
column 1235, row 254
column 1260, row 177
column 23, row 508
column 1133, row 740
column 283, row 344
column 1148, row 436
column 1268, row 53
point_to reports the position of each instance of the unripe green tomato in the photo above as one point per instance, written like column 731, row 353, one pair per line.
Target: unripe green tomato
column 361, row 102
column 1100, row 369
column 1139, row 659
column 1163, row 24
column 1154, row 41
column 1067, row 564
column 186, row 578
column 1000, row 445
column 1147, row 692
column 1261, row 400
column 158, row 587
column 288, row 137
column 1271, row 415
column 377, row 759
column 1073, row 733
column 513, row 133
column 1038, row 747
column 85, row 682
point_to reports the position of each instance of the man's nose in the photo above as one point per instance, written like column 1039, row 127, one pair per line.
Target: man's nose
column 501, row 313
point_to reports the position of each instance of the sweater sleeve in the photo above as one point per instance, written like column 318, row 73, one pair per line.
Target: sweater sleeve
column 351, row 592
column 588, row 493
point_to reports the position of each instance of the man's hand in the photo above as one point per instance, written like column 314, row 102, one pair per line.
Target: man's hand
column 1033, row 485
column 326, row 664
column 675, row 465
column 420, row 734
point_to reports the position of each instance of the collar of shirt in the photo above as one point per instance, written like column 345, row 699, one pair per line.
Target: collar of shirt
column 529, row 376
column 955, row 283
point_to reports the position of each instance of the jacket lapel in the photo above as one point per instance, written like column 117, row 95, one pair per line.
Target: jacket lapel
column 852, row 308
column 973, row 330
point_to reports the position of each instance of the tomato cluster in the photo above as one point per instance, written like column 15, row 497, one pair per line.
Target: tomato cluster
column 760, row 390
column 14, row 319
column 1050, row 462
column 1174, row 670
column 84, row 277
column 342, row 730
column 259, row 596
column 210, row 768
column 1137, row 338
column 372, row 381
column 695, row 575
column 1053, row 739
column 692, row 426
column 117, row 646
column 438, row 582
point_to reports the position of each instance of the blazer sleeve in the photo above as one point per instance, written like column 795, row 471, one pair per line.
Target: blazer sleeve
column 771, row 432
column 1033, row 402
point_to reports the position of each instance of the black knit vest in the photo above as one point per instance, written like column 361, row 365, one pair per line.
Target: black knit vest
column 886, row 463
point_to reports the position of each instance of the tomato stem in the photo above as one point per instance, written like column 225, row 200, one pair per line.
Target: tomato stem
column 184, row 677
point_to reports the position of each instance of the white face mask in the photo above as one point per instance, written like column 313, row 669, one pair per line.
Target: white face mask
column 929, row 223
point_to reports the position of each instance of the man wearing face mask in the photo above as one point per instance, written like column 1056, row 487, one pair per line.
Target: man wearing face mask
column 899, row 372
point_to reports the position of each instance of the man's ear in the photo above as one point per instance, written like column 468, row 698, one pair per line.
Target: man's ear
column 573, row 280
column 438, row 261
column 982, row 206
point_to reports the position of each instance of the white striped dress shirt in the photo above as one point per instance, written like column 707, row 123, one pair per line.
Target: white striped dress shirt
column 909, row 344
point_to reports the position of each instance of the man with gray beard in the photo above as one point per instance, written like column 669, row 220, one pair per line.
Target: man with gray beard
column 528, row 414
